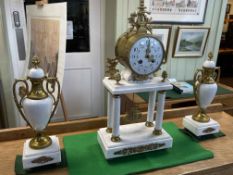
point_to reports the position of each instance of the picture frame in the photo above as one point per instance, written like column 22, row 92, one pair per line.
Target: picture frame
column 46, row 37
column 228, row 8
column 163, row 33
column 190, row 42
column 177, row 11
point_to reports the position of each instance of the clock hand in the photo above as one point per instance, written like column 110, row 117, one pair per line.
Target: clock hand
column 148, row 49
column 149, row 56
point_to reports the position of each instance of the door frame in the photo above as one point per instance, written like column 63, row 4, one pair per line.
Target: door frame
column 101, row 63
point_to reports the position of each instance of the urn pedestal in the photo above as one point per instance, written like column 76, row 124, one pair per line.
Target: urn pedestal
column 40, row 157
column 201, row 129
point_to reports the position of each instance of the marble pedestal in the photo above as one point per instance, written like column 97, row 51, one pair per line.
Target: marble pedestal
column 35, row 158
column 117, row 140
column 135, row 138
column 201, row 129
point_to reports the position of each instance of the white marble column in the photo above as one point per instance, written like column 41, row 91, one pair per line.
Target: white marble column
column 151, row 107
column 159, row 114
column 109, row 113
column 116, row 118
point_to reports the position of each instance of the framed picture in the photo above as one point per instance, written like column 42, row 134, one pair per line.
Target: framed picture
column 163, row 33
column 228, row 9
column 47, row 38
column 177, row 11
column 190, row 42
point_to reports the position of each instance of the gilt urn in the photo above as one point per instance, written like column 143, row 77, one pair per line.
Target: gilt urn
column 36, row 102
column 205, row 88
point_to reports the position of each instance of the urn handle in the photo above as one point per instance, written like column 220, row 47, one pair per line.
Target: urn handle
column 23, row 91
column 197, row 82
column 217, row 74
column 53, row 92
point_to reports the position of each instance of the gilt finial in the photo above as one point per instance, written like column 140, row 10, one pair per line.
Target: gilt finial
column 210, row 55
column 35, row 61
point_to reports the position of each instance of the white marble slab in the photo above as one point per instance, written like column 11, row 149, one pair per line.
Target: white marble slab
column 135, row 138
column 35, row 158
column 125, row 87
column 201, row 129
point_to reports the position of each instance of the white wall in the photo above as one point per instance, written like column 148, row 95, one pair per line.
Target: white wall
column 8, row 6
column 180, row 68
column 6, row 76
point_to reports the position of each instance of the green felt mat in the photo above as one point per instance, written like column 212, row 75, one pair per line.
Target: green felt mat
column 20, row 171
column 171, row 94
column 85, row 157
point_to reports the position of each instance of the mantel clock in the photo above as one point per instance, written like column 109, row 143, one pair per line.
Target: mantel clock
column 141, row 54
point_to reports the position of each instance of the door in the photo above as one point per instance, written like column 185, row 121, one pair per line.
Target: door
column 82, row 85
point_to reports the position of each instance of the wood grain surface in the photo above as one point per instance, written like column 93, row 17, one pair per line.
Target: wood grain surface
column 222, row 147
column 93, row 123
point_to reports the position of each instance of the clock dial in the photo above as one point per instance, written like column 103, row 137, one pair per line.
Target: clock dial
column 146, row 55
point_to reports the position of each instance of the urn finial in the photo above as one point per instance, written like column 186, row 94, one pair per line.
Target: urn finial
column 35, row 61
column 210, row 55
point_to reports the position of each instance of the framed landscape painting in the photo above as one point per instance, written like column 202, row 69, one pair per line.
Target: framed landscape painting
column 190, row 42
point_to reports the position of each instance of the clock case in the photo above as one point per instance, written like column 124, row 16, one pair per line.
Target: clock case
column 124, row 46
column 140, row 28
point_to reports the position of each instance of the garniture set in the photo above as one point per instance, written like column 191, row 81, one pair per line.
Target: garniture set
column 142, row 54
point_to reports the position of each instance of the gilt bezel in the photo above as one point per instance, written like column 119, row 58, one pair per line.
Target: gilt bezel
column 134, row 42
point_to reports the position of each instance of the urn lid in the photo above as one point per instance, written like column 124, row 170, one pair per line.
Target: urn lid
column 209, row 63
column 36, row 72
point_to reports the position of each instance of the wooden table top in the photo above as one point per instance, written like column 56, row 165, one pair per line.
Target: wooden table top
column 222, row 163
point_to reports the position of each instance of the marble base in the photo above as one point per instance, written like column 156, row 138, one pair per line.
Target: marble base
column 135, row 138
column 201, row 129
column 35, row 158
column 125, row 87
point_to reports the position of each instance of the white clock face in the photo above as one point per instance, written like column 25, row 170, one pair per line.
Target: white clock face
column 146, row 55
